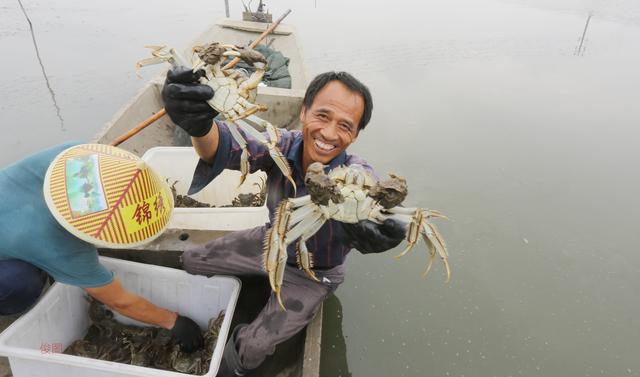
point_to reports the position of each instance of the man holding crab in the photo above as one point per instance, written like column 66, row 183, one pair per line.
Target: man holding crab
column 336, row 108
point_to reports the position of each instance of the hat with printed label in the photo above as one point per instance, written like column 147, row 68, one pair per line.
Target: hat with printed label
column 107, row 196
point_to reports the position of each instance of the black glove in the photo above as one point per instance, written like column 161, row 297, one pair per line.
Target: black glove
column 187, row 333
column 369, row 237
column 185, row 101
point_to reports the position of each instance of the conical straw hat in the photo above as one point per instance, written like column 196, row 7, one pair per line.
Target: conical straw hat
column 107, row 196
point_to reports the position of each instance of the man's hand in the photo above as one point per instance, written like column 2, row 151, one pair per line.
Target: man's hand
column 369, row 237
column 187, row 334
column 185, row 100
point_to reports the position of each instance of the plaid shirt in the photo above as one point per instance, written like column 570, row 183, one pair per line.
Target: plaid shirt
column 330, row 244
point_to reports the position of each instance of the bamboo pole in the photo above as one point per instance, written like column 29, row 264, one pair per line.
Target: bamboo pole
column 141, row 126
column 145, row 123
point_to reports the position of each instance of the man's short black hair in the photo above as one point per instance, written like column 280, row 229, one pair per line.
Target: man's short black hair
column 350, row 82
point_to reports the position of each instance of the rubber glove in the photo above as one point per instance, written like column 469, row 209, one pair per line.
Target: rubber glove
column 187, row 334
column 186, row 101
column 369, row 237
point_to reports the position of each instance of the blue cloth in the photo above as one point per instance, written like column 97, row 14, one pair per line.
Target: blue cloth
column 20, row 285
column 29, row 232
column 330, row 244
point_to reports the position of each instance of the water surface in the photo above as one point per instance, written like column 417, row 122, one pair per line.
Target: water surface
column 494, row 118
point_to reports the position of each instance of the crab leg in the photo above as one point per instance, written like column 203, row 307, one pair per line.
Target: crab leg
column 244, row 157
column 275, row 249
column 161, row 54
column 311, row 222
column 432, row 254
column 304, row 226
column 275, row 245
column 420, row 226
column 271, row 144
column 277, row 156
column 282, row 264
column 263, row 124
column 253, row 80
column 431, row 234
column 240, row 111
column 302, row 213
column 198, row 63
column 429, row 213
column 413, row 232
column 299, row 202
column 365, row 207
column 305, row 257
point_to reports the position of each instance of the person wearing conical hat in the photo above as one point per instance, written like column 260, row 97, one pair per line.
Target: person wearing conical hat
column 36, row 229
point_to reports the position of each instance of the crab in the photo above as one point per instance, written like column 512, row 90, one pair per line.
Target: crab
column 197, row 362
column 252, row 199
column 349, row 195
column 213, row 330
column 82, row 348
column 188, row 362
column 234, row 95
column 151, row 347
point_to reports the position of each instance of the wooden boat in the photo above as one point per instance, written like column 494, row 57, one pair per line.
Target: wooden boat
column 300, row 356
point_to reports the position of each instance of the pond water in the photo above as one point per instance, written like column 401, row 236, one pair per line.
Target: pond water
column 516, row 118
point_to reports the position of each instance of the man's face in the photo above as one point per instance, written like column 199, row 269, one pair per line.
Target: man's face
column 330, row 125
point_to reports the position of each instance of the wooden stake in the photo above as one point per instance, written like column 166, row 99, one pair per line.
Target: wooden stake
column 145, row 123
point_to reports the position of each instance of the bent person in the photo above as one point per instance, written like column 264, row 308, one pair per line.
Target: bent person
column 35, row 245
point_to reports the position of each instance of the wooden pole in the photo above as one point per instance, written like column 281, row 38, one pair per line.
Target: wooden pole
column 145, row 123
column 141, row 126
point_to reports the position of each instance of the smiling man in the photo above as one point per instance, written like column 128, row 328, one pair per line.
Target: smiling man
column 332, row 118
column 336, row 107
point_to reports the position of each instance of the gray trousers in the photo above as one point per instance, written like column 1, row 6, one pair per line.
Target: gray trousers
column 240, row 253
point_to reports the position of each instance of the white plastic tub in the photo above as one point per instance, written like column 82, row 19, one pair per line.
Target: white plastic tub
column 177, row 165
column 61, row 317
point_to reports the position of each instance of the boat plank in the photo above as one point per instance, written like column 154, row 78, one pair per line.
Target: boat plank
column 312, row 346
column 255, row 27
